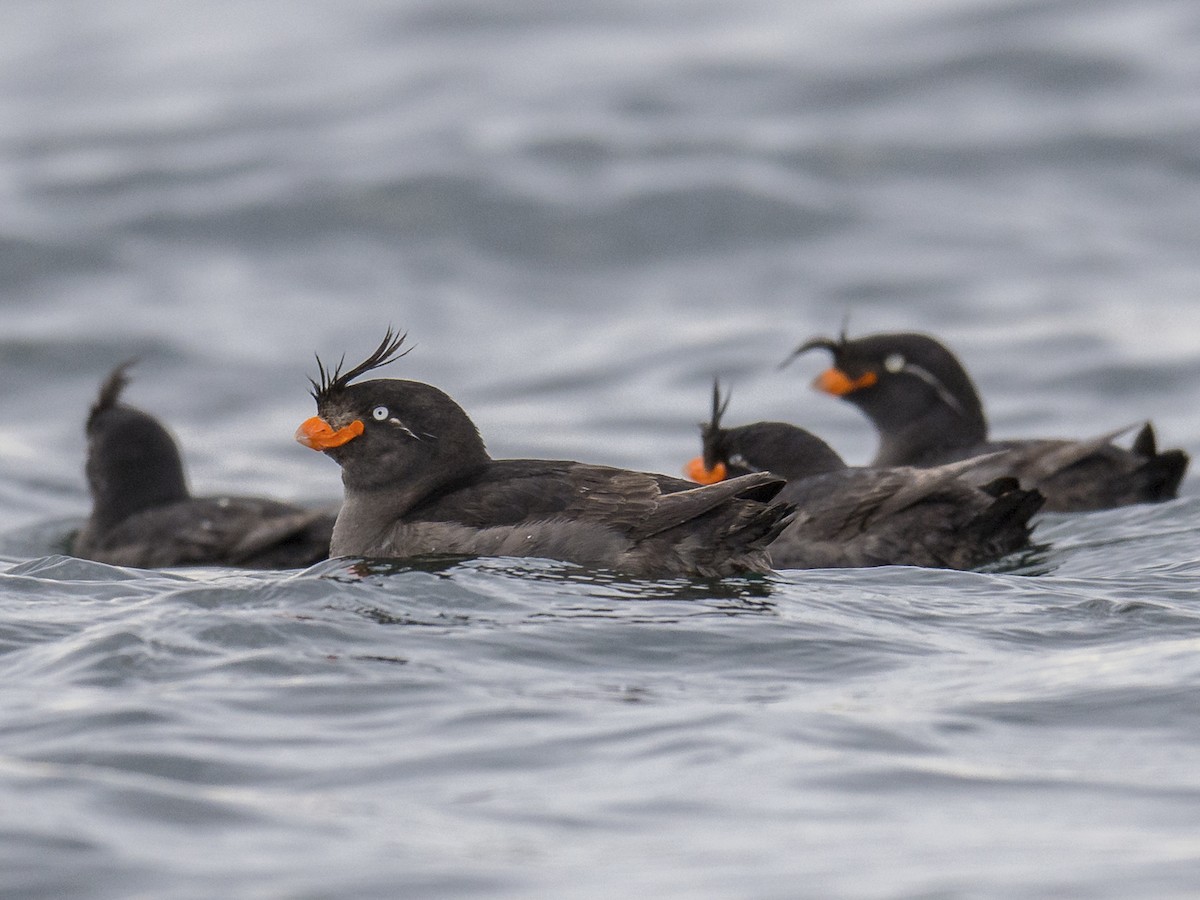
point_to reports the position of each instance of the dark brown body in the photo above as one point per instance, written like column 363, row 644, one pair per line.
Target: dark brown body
column 927, row 412
column 143, row 515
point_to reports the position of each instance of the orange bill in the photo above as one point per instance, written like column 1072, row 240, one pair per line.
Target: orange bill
column 838, row 383
column 696, row 471
column 316, row 434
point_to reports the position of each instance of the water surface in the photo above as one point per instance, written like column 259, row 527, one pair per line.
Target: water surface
column 581, row 215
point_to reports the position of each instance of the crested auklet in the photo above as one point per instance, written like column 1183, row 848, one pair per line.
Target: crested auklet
column 144, row 516
column 845, row 516
column 927, row 412
column 418, row 481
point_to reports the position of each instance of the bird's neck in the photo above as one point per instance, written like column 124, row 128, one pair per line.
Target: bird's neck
column 369, row 514
column 118, row 497
column 938, row 435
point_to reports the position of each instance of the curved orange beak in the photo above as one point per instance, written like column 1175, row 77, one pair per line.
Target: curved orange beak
column 838, row 383
column 696, row 471
column 316, row 434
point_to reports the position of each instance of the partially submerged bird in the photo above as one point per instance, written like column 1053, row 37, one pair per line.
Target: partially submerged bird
column 927, row 412
column 418, row 481
column 846, row 516
column 144, row 516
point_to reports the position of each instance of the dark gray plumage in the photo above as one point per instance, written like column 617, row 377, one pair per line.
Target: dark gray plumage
column 144, row 516
column 927, row 412
column 875, row 516
column 418, row 481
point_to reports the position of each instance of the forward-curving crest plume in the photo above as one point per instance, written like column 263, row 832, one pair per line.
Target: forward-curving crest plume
column 822, row 343
column 331, row 381
column 110, row 390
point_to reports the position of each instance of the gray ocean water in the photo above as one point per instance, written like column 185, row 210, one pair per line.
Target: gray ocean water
column 581, row 213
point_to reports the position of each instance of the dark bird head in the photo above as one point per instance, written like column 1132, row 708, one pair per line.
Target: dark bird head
column 914, row 390
column 389, row 432
column 133, row 462
column 785, row 450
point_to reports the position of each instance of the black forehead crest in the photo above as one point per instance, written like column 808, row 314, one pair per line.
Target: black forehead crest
column 719, row 406
column 836, row 346
column 332, row 380
column 110, row 390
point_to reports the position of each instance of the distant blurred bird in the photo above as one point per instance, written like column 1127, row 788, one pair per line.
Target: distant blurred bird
column 143, row 515
column 927, row 412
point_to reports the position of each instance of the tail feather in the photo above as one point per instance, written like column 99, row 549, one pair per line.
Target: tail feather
column 1006, row 520
column 770, row 523
column 742, row 544
column 1145, row 444
column 1161, row 474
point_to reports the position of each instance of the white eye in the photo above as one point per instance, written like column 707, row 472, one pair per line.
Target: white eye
column 380, row 413
column 894, row 363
